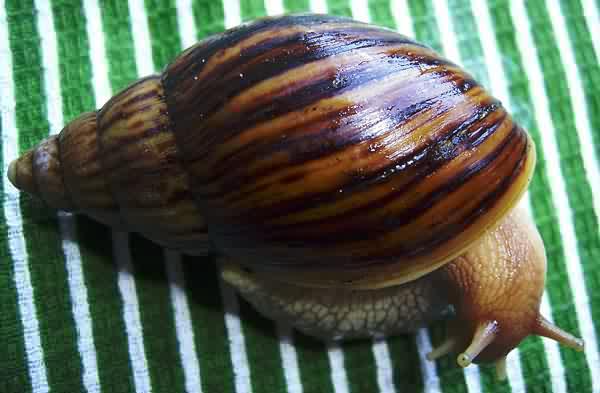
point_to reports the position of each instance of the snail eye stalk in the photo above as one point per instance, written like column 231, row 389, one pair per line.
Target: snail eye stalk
column 545, row 328
column 448, row 346
column 484, row 335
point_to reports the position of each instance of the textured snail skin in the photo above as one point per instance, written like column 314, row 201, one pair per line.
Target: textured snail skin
column 312, row 150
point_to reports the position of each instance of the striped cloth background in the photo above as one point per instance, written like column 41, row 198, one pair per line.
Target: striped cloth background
column 85, row 309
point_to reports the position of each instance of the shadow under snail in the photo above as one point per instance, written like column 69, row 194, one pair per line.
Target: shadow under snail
column 353, row 182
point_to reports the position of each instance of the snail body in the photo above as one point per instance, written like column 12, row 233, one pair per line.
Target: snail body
column 333, row 165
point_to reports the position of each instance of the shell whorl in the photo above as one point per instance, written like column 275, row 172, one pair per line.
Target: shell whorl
column 140, row 162
column 343, row 152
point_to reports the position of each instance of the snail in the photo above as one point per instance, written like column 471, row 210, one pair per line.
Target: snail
column 352, row 182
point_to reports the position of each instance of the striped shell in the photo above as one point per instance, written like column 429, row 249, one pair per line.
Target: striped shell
column 314, row 148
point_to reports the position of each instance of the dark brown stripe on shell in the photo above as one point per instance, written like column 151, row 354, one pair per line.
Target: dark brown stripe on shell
column 190, row 104
column 82, row 171
column 421, row 163
column 137, row 106
column 130, row 142
column 119, row 116
column 342, row 134
column 452, row 185
column 362, row 75
column 449, row 228
column 294, row 49
column 192, row 61
column 490, row 199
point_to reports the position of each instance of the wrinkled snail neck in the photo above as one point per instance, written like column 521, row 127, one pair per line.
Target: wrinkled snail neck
column 496, row 289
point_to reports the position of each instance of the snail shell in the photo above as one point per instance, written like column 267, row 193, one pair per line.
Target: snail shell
column 344, row 153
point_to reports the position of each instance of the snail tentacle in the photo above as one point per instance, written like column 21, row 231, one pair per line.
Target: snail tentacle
column 545, row 328
column 484, row 335
column 449, row 345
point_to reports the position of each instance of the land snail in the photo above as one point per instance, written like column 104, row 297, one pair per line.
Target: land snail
column 352, row 182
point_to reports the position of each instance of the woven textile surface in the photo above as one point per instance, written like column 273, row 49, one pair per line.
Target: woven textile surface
column 86, row 309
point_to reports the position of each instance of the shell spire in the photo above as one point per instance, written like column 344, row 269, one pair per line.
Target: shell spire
column 119, row 166
column 69, row 158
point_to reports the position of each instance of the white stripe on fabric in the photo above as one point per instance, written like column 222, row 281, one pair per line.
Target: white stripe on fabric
column 514, row 371
column 318, row 6
column 338, row 369
column 232, row 12
column 131, row 313
column 49, row 53
column 141, row 37
column 559, row 193
column 237, row 342
column 126, row 280
column 67, row 226
column 499, row 88
column 289, row 359
column 450, row 45
column 431, row 381
column 360, row 10
column 383, row 362
column 80, row 305
column 100, row 82
column 491, row 53
column 557, row 371
column 274, row 7
column 385, row 370
column 14, row 220
column 182, row 318
column 287, row 349
column 183, row 323
column 404, row 25
column 402, row 18
column 590, row 11
column 185, row 21
column 578, row 101
column 473, row 379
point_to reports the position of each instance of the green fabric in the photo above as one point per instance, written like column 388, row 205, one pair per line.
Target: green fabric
column 44, row 344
